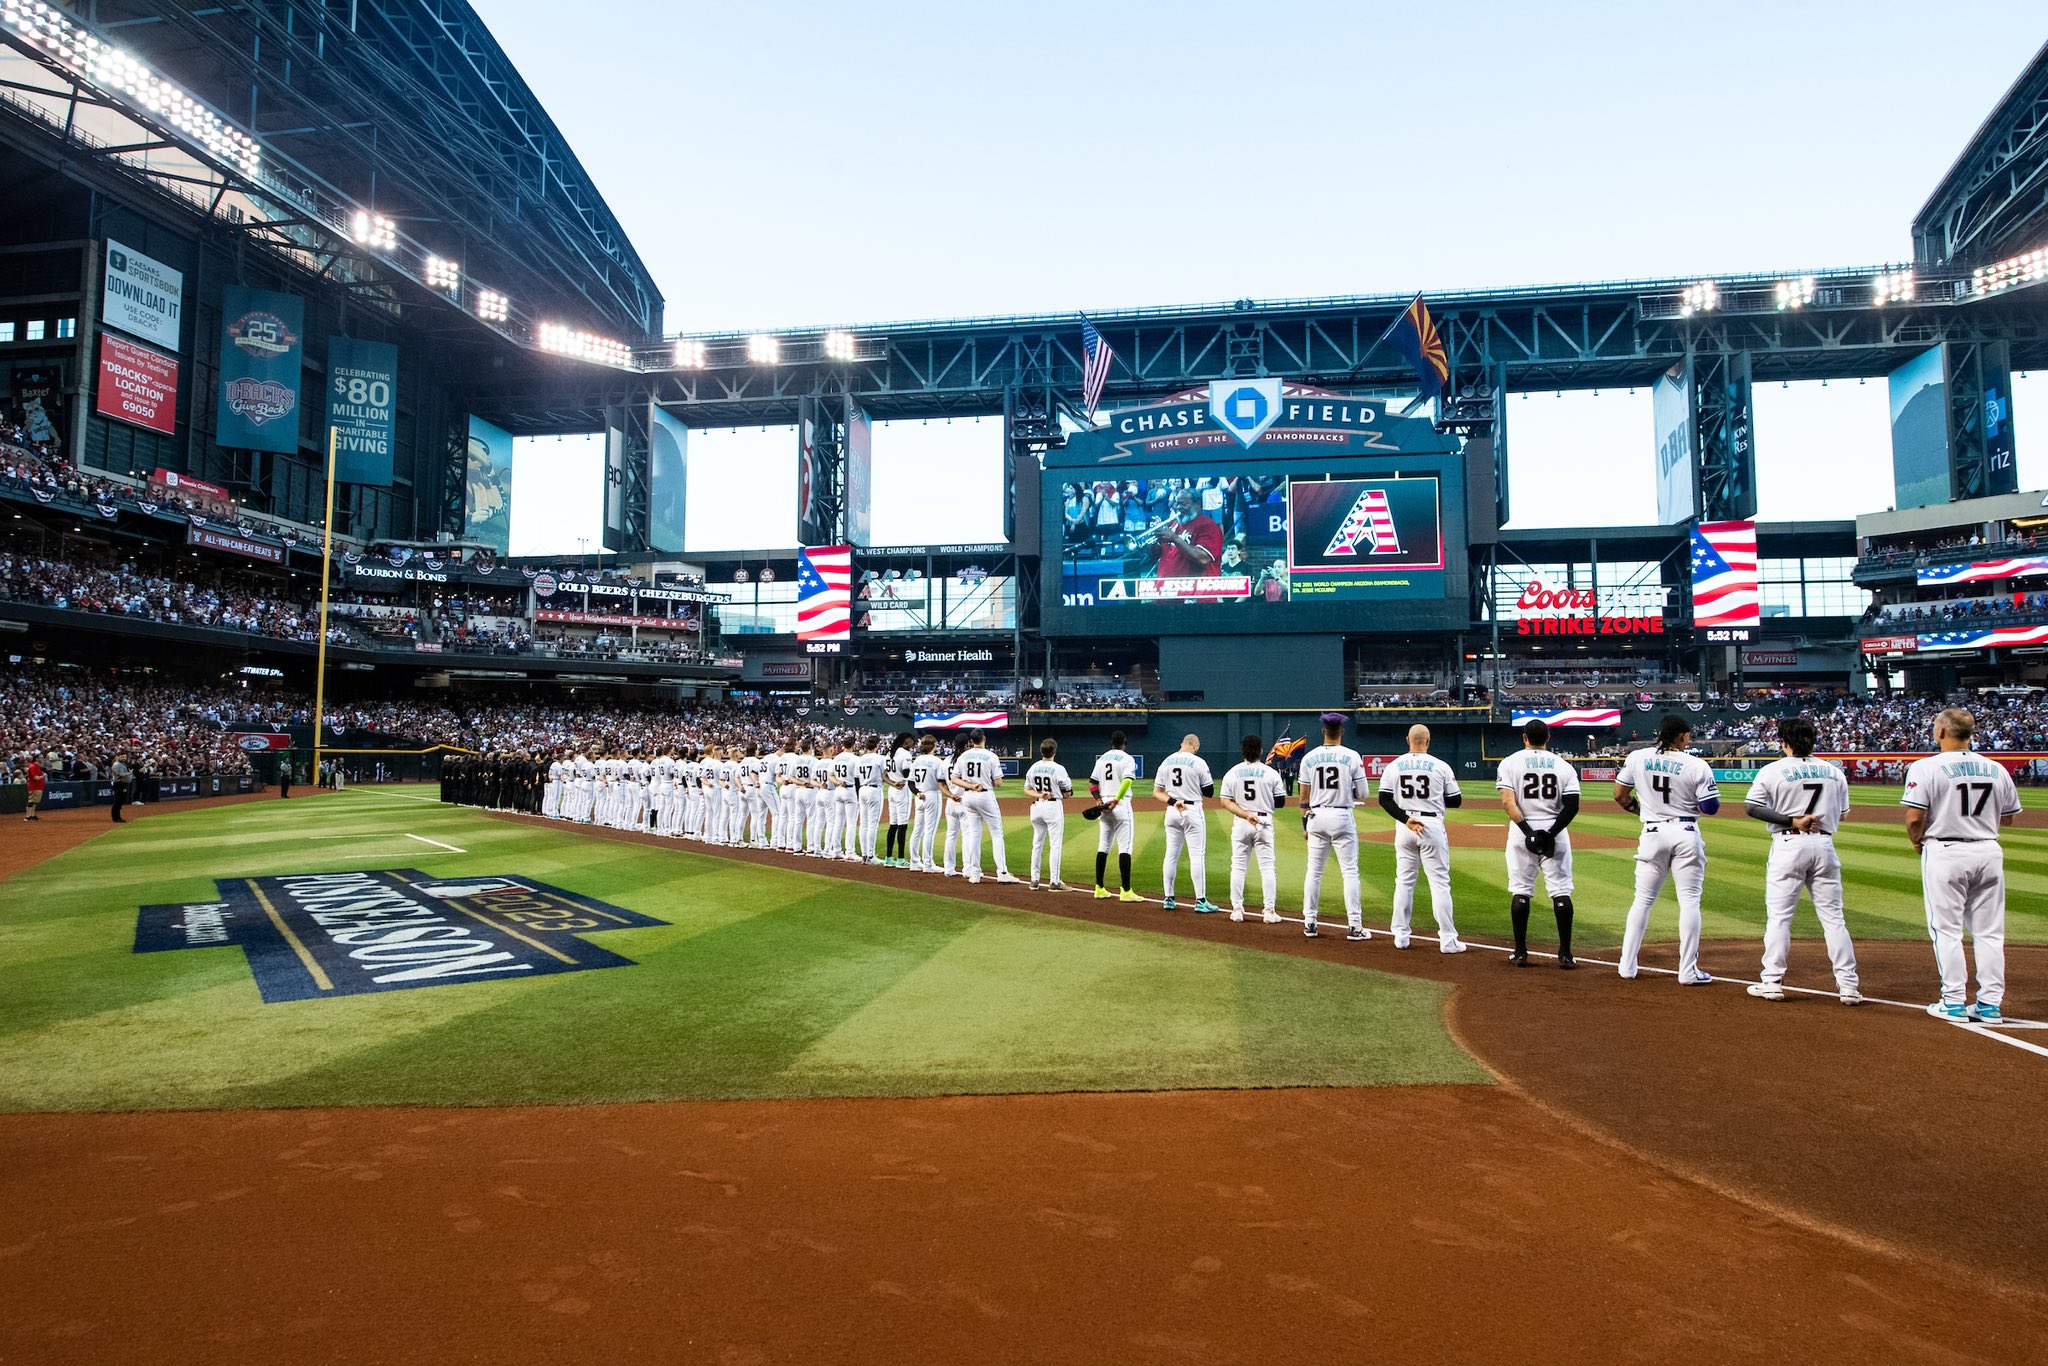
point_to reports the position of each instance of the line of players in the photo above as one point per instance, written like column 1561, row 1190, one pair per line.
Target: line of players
column 804, row 799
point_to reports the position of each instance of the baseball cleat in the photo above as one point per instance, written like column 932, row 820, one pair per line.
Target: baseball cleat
column 1310, row 931
column 974, row 879
column 1101, row 893
column 1031, row 886
column 1567, row 962
column 1698, row 979
column 1237, row 914
column 1358, row 934
column 1518, row 959
column 1942, row 1011
column 1401, row 941
column 1128, row 895
column 1006, row 877
column 1169, row 904
column 1851, row 996
column 1204, row 906
column 1766, row 991
column 1989, row 1014
column 1057, row 886
column 1271, row 917
column 1455, row 946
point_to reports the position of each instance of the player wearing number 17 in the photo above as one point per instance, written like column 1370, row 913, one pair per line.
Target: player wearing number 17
column 1671, row 790
column 1955, row 804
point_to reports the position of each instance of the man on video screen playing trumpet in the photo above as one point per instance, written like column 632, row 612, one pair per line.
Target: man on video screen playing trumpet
column 1190, row 543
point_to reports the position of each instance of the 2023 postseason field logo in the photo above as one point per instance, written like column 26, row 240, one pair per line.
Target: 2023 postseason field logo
column 314, row 935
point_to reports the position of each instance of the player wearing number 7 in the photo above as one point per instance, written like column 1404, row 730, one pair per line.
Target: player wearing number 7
column 1803, row 800
column 1670, row 789
column 1416, row 789
column 1955, row 803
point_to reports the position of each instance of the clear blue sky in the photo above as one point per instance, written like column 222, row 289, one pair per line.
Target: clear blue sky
column 804, row 164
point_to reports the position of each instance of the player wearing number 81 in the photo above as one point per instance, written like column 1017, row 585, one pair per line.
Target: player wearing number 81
column 1049, row 785
column 1671, row 790
column 1803, row 800
column 1182, row 781
column 1416, row 789
column 1955, row 803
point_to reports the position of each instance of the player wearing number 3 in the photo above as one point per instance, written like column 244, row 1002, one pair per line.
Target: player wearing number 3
column 1955, row 803
column 1416, row 789
column 1671, row 790
column 1803, row 800
column 1182, row 781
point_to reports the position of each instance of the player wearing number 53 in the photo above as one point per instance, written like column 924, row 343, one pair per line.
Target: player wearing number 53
column 1671, row 790
column 1956, row 803
column 1416, row 789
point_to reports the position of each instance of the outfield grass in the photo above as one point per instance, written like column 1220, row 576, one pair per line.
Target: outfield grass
column 765, row 983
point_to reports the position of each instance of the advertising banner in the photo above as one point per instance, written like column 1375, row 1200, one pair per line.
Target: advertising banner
column 1671, row 409
column 39, row 393
column 143, row 297
column 668, row 468
column 137, row 385
column 1770, row 659
column 860, row 475
column 487, row 487
column 682, row 623
column 362, row 409
column 233, row 544
column 182, row 490
column 260, row 355
column 1890, row 645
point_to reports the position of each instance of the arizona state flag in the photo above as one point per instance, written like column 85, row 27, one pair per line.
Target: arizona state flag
column 1415, row 336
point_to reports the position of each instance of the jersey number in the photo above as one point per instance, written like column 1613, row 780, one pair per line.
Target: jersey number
column 1251, row 791
column 1180, row 777
column 1414, row 787
column 1963, row 791
column 1813, row 791
column 1661, row 785
column 1043, row 784
column 1542, row 785
column 1326, row 778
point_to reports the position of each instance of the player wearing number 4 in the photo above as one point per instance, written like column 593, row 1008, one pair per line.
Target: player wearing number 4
column 1049, row 786
column 1670, row 789
column 1540, row 793
column 1955, row 804
column 1803, row 800
column 1416, row 789
column 1182, row 781
column 1252, row 792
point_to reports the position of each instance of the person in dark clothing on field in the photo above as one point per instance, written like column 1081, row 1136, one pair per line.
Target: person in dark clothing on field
column 284, row 778
column 123, row 779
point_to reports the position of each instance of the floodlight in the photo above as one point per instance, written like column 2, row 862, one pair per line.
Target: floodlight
column 764, row 350
column 1892, row 287
column 1700, row 298
column 492, row 306
column 691, row 355
column 1794, row 293
column 838, row 346
column 443, row 274
column 374, row 230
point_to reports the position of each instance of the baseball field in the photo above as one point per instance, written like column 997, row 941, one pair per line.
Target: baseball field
column 760, row 1107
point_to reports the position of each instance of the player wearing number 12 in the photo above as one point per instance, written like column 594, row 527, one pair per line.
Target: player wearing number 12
column 1049, row 786
column 1540, row 793
column 1416, row 789
column 1955, row 804
column 1182, row 781
column 1803, row 800
column 1333, row 781
column 1671, row 790
column 1251, row 793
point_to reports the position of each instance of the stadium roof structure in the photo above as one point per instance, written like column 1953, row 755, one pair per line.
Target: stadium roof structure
column 377, row 141
column 1994, row 200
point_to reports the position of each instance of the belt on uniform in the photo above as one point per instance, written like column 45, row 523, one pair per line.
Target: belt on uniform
column 1686, row 822
column 1959, row 839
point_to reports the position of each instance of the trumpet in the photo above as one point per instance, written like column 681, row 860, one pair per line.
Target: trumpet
column 1155, row 531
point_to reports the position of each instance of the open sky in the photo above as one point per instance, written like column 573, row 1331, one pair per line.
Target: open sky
column 806, row 163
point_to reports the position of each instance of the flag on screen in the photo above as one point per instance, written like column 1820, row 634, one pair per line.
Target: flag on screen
column 1570, row 716
column 1095, row 359
column 960, row 720
column 1996, row 638
column 1984, row 571
column 824, row 592
column 1724, row 591
column 1415, row 336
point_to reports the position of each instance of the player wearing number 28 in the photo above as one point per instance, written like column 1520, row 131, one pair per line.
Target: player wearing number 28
column 1671, row 790
column 1540, row 793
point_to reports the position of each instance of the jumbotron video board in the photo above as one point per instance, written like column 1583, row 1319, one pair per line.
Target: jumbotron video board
column 1256, row 505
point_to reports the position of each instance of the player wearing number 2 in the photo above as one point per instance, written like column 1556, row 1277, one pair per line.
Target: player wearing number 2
column 1803, row 800
column 1670, row 790
column 1049, row 786
column 1955, row 803
column 1333, row 781
column 1416, row 789
column 1182, row 781
column 1109, row 782
column 1251, row 793
column 1540, row 793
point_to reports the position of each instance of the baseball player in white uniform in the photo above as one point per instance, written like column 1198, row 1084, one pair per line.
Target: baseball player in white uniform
column 1956, row 802
column 1333, row 781
column 823, row 803
column 868, row 773
column 802, row 767
column 1803, row 800
column 1181, row 782
column 977, row 774
column 1671, row 790
column 661, row 779
column 927, row 782
column 1415, row 790
column 754, row 789
column 901, row 799
column 582, row 791
column 951, row 812
column 692, row 773
column 1251, row 793
column 1109, row 782
column 1540, row 794
column 551, row 794
column 788, row 823
column 634, row 816
column 1049, row 785
column 733, row 790
column 842, row 828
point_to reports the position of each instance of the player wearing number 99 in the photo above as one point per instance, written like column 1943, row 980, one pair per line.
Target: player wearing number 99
column 1540, row 793
column 1803, row 800
column 1415, row 790
column 1049, row 786
column 1252, row 792
column 1333, row 781
column 1670, row 790
column 1182, row 781
column 1955, row 803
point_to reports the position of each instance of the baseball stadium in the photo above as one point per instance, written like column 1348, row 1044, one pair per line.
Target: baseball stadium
column 1185, row 991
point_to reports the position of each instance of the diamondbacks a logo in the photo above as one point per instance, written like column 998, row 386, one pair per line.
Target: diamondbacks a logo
column 1370, row 521
column 1245, row 407
column 341, row 934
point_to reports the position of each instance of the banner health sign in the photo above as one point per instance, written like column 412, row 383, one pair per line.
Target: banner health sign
column 362, row 409
column 259, row 370
column 318, row 935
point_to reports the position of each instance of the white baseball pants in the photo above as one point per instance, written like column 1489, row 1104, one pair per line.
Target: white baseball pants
column 1428, row 854
column 1809, row 862
column 1332, row 830
column 1674, row 851
column 1048, row 836
column 1963, row 882
column 1186, row 828
column 1247, row 842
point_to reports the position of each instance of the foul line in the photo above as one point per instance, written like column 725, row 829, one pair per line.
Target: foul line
column 436, row 843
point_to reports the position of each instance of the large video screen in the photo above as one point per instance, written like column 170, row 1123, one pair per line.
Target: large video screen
column 1259, row 538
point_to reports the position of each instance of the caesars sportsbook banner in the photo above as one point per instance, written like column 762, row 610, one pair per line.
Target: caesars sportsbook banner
column 261, row 351
column 1256, row 505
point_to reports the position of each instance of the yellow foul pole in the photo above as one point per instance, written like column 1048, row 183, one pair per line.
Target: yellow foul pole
column 326, row 568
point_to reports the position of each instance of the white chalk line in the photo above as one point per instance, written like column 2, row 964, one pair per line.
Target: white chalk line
column 437, row 843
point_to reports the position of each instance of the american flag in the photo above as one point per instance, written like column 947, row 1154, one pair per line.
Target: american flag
column 960, row 720
column 1984, row 571
column 1985, row 640
column 1570, row 716
column 824, row 592
column 1095, row 359
column 1724, row 591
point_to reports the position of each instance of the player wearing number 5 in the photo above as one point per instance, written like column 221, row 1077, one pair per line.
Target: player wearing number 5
column 1252, row 792
column 1049, row 786
column 1540, row 793
column 1671, row 790
column 1333, row 781
column 1803, row 800
column 1955, row 804
column 1182, row 781
column 1416, row 789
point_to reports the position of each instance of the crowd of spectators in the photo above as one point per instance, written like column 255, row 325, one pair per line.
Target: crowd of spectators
column 198, row 597
column 87, row 720
column 2007, row 543
column 37, row 470
column 1894, row 723
column 1953, row 611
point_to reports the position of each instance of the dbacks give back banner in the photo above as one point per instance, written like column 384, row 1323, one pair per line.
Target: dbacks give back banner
column 261, row 347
